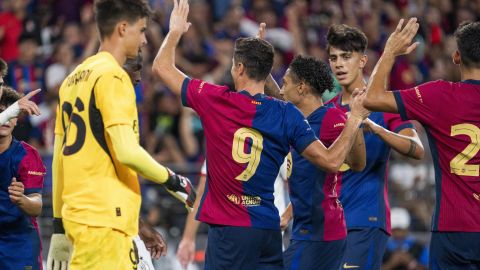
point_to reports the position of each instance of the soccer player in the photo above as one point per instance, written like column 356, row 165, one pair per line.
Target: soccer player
column 21, row 181
column 364, row 194
column 96, row 194
column 449, row 112
column 319, row 229
column 23, row 104
column 248, row 136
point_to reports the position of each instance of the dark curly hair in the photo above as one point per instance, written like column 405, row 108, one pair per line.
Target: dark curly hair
column 256, row 55
column 9, row 97
column 109, row 12
column 313, row 72
column 346, row 38
column 467, row 36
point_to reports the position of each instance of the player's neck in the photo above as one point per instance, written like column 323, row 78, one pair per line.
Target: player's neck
column 108, row 45
column 5, row 143
column 348, row 90
column 469, row 74
column 251, row 86
column 309, row 104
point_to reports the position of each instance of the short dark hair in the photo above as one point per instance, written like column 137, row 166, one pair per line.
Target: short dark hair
column 3, row 67
column 109, row 12
column 467, row 36
column 313, row 72
column 256, row 55
column 9, row 97
column 346, row 38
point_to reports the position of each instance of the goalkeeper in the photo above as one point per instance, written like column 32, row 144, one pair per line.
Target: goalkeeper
column 96, row 152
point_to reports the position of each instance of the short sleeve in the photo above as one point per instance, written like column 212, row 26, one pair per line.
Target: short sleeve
column 115, row 99
column 299, row 133
column 421, row 102
column 31, row 171
column 332, row 126
column 394, row 123
column 58, row 122
column 199, row 95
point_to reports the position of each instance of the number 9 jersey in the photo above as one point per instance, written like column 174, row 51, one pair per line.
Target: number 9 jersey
column 247, row 139
column 98, row 190
column 450, row 114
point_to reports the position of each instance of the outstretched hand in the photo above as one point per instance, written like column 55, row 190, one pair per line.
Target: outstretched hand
column 179, row 17
column 261, row 30
column 26, row 105
column 400, row 41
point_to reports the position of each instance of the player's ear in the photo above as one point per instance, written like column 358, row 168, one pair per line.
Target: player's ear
column 363, row 60
column 240, row 68
column 456, row 58
column 121, row 28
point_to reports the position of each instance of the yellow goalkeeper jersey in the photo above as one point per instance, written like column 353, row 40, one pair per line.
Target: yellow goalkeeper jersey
column 98, row 190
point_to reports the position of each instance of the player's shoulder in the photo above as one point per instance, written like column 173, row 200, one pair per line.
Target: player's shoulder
column 29, row 149
column 437, row 85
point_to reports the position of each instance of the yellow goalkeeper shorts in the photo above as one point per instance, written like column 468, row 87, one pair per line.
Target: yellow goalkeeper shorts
column 100, row 248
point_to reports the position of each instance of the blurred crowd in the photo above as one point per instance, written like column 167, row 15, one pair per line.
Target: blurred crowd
column 43, row 40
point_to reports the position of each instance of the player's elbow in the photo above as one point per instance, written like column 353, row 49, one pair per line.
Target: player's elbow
column 162, row 69
column 419, row 153
column 370, row 102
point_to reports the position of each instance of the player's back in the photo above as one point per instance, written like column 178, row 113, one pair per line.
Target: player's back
column 247, row 140
column 98, row 190
column 452, row 124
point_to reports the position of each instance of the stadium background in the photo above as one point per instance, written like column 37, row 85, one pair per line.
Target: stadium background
column 43, row 40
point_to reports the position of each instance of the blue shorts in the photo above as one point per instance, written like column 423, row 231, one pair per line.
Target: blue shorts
column 243, row 248
column 455, row 251
column 365, row 249
column 20, row 250
column 314, row 255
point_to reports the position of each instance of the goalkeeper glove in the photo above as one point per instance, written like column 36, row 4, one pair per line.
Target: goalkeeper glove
column 181, row 188
column 60, row 248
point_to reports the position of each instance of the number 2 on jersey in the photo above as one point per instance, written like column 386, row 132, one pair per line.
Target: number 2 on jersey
column 458, row 165
column 253, row 157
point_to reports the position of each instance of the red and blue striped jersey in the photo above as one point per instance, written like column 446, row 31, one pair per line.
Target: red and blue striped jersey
column 364, row 195
column 247, row 139
column 317, row 211
column 449, row 112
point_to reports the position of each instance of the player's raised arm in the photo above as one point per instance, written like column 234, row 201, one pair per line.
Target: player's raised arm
column 332, row 158
column 164, row 63
column 379, row 98
column 23, row 104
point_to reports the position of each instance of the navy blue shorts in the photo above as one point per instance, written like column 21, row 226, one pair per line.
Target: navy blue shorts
column 20, row 250
column 243, row 248
column 365, row 249
column 455, row 251
column 314, row 255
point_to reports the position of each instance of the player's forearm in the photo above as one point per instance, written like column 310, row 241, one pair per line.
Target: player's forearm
column 11, row 112
column 357, row 158
column 131, row 154
column 57, row 177
column 191, row 226
column 288, row 213
column 164, row 63
column 408, row 145
column 378, row 97
column 271, row 88
column 31, row 204
column 337, row 152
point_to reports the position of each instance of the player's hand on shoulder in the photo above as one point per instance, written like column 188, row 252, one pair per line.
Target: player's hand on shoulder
column 179, row 16
column 26, row 105
column 186, row 252
column 16, row 191
column 181, row 188
column 400, row 41
column 356, row 104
